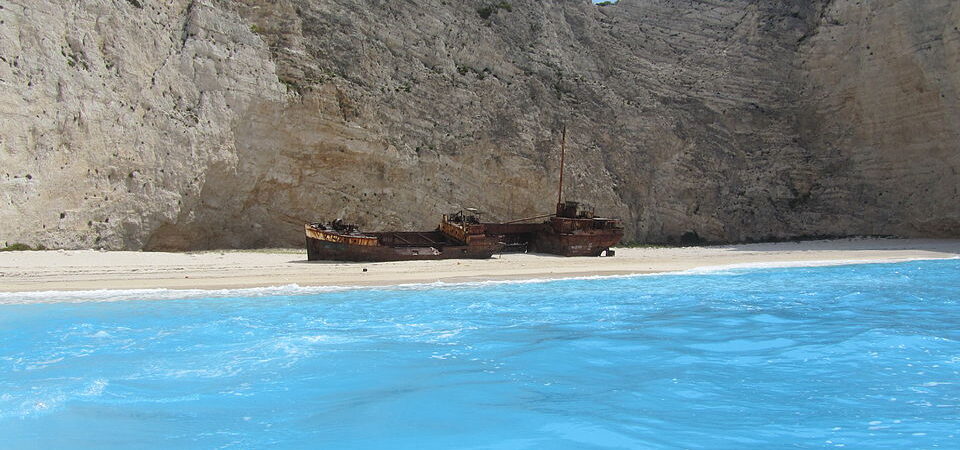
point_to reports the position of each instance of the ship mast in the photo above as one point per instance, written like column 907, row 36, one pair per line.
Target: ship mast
column 563, row 142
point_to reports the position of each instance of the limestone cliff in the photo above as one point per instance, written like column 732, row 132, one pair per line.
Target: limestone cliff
column 205, row 124
column 882, row 110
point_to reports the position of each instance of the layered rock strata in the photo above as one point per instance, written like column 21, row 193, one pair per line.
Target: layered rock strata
column 210, row 124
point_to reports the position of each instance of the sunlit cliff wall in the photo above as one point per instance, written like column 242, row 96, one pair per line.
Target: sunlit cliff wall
column 207, row 124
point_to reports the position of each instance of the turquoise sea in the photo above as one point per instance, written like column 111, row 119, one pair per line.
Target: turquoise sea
column 857, row 356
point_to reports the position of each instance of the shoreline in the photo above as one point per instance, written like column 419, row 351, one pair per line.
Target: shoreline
column 57, row 273
column 154, row 294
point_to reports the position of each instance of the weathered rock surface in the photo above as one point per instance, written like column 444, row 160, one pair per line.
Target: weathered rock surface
column 205, row 124
column 882, row 95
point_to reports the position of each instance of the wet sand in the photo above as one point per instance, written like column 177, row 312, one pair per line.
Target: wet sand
column 66, row 270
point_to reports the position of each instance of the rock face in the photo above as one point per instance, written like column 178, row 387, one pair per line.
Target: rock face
column 209, row 124
column 882, row 95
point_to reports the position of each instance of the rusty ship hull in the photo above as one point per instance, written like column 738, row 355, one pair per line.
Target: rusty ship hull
column 578, row 236
column 568, row 232
column 396, row 246
column 560, row 236
column 570, row 244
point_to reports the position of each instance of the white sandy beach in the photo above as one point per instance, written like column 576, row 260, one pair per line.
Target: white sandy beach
column 66, row 270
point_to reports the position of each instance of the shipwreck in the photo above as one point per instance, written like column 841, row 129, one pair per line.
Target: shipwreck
column 571, row 230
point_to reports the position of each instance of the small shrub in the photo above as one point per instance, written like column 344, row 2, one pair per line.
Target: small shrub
column 485, row 12
column 17, row 247
column 480, row 74
column 291, row 85
column 607, row 3
column 489, row 10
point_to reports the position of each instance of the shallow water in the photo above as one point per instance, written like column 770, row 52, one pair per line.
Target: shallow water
column 859, row 356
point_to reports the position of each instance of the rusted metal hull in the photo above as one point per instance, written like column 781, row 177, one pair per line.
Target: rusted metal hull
column 559, row 236
column 575, row 244
column 573, row 236
column 566, row 233
column 395, row 246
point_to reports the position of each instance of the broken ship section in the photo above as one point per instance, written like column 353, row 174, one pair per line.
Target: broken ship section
column 458, row 236
column 572, row 231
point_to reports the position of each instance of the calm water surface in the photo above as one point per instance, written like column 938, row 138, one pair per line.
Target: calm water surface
column 864, row 356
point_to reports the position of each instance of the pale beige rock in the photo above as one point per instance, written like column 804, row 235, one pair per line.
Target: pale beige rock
column 884, row 84
column 214, row 123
